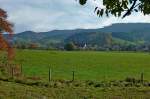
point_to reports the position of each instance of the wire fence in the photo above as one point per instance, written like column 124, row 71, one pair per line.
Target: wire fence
column 49, row 74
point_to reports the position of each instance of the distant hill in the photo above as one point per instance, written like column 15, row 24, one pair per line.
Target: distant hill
column 131, row 33
column 127, row 27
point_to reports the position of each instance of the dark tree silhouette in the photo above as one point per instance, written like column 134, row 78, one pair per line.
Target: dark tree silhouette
column 70, row 46
column 121, row 8
column 5, row 26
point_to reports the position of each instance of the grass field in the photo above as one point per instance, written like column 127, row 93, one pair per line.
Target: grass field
column 87, row 65
column 93, row 74
column 10, row 90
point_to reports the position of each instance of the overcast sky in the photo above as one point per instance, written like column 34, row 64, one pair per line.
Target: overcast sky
column 47, row 15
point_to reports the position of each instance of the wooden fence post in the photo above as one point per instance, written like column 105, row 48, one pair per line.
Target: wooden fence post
column 73, row 75
column 49, row 74
column 142, row 77
column 12, row 72
column 21, row 70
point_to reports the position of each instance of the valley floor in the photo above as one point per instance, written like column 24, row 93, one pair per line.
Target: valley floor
column 96, row 75
column 87, row 65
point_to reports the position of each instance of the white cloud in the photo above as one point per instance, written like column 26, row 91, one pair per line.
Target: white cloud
column 46, row 15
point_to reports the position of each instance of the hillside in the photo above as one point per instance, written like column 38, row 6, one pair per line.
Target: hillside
column 96, row 38
column 121, row 33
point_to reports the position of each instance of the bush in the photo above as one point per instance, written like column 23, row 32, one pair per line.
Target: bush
column 70, row 47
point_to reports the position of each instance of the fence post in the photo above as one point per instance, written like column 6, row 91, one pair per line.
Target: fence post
column 73, row 75
column 12, row 71
column 49, row 74
column 142, row 77
column 21, row 70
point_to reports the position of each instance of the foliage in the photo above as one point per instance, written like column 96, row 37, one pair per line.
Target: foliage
column 122, row 8
column 5, row 26
column 33, row 46
column 70, row 46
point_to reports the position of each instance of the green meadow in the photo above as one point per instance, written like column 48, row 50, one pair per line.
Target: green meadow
column 87, row 65
column 98, row 75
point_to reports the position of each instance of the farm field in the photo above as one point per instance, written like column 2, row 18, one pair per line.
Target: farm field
column 98, row 75
column 87, row 65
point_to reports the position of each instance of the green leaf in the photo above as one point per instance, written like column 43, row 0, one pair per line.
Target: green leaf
column 82, row 2
column 101, row 12
column 98, row 12
column 135, row 10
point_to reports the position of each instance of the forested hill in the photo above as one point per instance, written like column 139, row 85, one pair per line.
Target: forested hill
column 120, row 33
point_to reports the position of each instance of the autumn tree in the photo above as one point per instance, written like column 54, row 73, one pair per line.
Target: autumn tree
column 120, row 8
column 5, row 27
column 33, row 46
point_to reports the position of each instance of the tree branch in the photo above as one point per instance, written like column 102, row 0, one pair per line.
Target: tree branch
column 131, row 8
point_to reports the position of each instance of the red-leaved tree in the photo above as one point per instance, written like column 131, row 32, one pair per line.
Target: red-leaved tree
column 6, row 27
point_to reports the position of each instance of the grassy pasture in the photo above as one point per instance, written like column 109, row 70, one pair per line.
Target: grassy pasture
column 88, row 65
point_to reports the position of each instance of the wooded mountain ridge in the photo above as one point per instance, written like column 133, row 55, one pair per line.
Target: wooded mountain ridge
column 116, row 34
